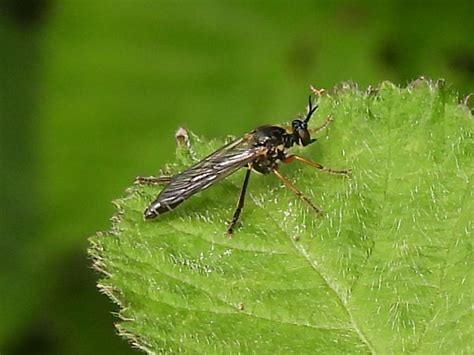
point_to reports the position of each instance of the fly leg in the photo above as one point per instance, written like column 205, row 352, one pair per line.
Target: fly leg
column 183, row 143
column 326, row 123
column 152, row 180
column 291, row 158
column 297, row 192
column 240, row 204
column 317, row 92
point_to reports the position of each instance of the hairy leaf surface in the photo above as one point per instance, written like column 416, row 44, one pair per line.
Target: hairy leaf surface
column 387, row 269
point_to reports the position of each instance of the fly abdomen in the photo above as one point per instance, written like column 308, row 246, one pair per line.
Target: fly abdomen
column 158, row 207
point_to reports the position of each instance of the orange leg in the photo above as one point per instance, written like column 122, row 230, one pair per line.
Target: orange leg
column 152, row 180
column 317, row 92
column 297, row 192
column 326, row 123
column 291, row 158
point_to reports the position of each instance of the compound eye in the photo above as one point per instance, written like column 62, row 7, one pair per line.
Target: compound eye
column 297, row 125
column 305, row 138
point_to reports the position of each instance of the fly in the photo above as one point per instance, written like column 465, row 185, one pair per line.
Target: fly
column 261, row 150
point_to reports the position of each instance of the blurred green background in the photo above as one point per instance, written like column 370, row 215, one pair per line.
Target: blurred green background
column 91, row 93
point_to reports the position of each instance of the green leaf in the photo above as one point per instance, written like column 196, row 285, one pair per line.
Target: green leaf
column 387, row 269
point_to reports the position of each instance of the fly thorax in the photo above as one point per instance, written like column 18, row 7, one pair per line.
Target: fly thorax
column 289, row 140
column 271, row 159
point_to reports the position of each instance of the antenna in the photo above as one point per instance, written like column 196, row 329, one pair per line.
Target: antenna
column 311, row 110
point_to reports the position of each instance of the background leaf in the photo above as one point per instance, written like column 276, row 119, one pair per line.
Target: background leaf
column 387, row 269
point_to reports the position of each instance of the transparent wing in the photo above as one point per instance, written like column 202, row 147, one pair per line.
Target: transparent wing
column 203, row 174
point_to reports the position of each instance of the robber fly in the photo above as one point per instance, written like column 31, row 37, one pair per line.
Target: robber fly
column 261, row 150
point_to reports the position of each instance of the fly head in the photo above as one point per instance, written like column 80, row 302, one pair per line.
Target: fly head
column 301, row 133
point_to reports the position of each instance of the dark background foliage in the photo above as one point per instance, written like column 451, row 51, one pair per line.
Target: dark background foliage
column 91, row 93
